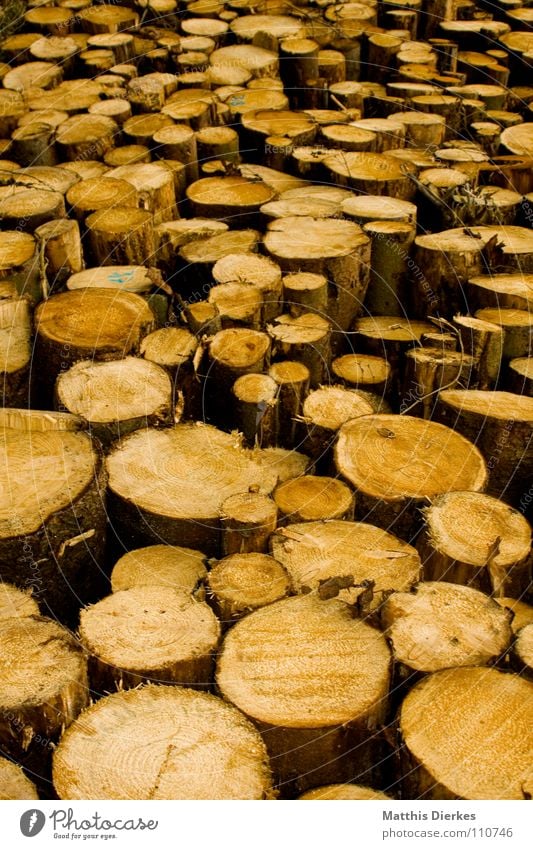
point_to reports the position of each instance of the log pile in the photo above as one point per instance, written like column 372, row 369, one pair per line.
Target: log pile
column 266, row 340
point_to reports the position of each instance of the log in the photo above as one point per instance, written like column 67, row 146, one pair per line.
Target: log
column 53, row 531
column 174, row 349
column 517, row 328
column 256, row 408
column 169, row 485
column 14, row 784
column 259, row 61
column 390, row 337
column 256, row 270
column 60, row 242
column 86, row 136
column 33, row 144
column 313, row 553
column 305, row 339
column 178, row 142
column 26, row 209
column 362, row 371
column 107, row 19
column 240, row 583
column 292, row 380
column 389, row 273
column 232, row 353
column 16, row 603
column 237, row 304
column 304, row 291
column 90, row 195
column 199, row 256
column 44, row 688
column 441, row 757
column 522, row 613
column 522, row 653
column 33, row 75
column 337, row 249
column 324, row 411
column 15, row 352
column 146, row 634
column 128, row 154
column 520, row 376
column 501, row 291
column 121, row 236
column 234, row 199
column 172, row 769
column 344, row 791
column 141, row 129
column 247, row 520
column 312, row 207
column 309, row 740
column 117, row 397
column 460, row 627
column 366, row 208
column 284, row 463
column 443, row 263
column 430, row 370
column 396, row 462
column 501, row 425
column 155, row 183
column 371, row 174
column 221, row 143
column 170, row 566
column 483, row 340
column 310, row 498
column 96, row 324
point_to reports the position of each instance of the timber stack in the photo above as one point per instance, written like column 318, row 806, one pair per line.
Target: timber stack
column 266, row 338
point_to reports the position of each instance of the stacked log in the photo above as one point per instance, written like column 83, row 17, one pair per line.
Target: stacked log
column 172, row 768
column 276, row 264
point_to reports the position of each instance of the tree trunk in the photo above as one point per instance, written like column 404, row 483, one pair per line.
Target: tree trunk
column 240, row 583
column 94, row 324
column 15, row 351
column 522, row 653
column 484, row 341
column 258, row 271
column 121, row 236
column 334, row 248
column 149, row 633
column 501, row 425
column 55, row 547
column 44, row 692
column 169, row 485
column 441, row 723
column 292, row 379
column 247, row 520
column 396, row 462
column 388, row 288
column 430, row 370
column 256, row 413
column 310, row 739
column 365, row 562
column 116, row 398
column 462, row 627
column 309, row 499
column 166, row 717
column 60, row 243
column 362, row 371
column 14, row 783
column 324, row 411
column 476, row 540
column 167, row 566
column 305, row 339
